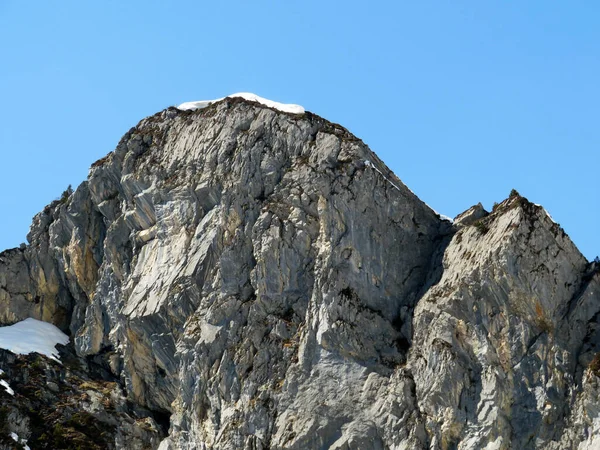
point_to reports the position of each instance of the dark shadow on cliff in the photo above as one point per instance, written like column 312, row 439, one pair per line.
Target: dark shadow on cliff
column 403, row 320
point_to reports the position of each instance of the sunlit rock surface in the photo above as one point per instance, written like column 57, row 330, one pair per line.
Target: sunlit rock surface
column 250, row 278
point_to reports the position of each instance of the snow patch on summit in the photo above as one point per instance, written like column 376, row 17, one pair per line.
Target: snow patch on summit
column 283, row 107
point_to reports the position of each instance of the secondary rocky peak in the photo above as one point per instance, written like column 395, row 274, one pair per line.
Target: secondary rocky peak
column 496, row 316
column 249, row 275
column 471, row 215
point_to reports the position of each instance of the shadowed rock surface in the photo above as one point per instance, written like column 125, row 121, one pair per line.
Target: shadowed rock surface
column 238, row 277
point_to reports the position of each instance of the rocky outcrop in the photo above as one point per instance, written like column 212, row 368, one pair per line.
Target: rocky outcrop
column 263, row 281
column 71, row 405
column 499, row 355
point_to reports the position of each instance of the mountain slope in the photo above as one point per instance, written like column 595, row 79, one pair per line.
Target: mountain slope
column 250, row 278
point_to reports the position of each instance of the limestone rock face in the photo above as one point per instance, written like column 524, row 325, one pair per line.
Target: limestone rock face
column 500, row 354
column 261, row 280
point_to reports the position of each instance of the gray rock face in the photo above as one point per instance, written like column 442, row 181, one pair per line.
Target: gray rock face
column 266, row 282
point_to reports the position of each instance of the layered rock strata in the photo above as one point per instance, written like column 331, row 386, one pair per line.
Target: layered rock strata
column 256, row 279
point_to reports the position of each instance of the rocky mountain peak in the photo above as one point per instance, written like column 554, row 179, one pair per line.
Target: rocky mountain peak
column 240, row 273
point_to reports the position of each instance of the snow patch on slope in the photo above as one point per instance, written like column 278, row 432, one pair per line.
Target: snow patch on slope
column 23, row 442
column 5, row 385
column 31, row 335
column 288, row 108
column 372, row 166
column 547, row 213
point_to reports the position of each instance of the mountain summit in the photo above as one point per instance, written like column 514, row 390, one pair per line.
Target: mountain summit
column 242, row 274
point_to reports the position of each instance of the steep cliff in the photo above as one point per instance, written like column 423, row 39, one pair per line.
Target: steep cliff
column 241, row 277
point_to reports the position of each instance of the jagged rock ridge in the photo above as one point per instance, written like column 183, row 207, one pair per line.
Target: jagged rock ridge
column 246, row 278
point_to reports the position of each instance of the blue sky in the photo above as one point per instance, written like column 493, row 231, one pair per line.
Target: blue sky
column 463, row 100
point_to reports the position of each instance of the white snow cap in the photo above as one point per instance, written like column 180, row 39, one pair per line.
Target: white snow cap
column 31, row 335
column 288, row 108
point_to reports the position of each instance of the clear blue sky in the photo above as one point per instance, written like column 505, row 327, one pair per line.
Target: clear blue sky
column 463, row 100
